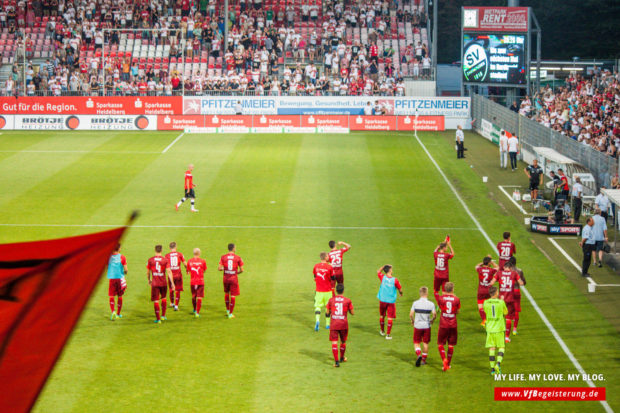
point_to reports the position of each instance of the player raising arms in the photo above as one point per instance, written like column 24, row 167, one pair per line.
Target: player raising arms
column 157, row 266
column 387, row 299
column 517, row 294
column 175, row 259
column 449, row 306
column 337, row 309
column 507, row 278
column 495, row 310
column 232, row 265
column 189, row 189
column 486, row 271
column 196, row 268
column 442, row 272
column 335, row 259
column 505, row 249
column 422, row 316
column 323, row 276
column 117, row 269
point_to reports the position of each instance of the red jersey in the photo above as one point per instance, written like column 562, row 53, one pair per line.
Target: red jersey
column 197, row 268
column 323, row 273
column 517, row 290
column 449, row 305
column 189, row 184
column 441, row 264
column 157, row 265
column 485, row 275
column 232, row 263
column 506, row 250
column 507, row 280
column 339, row 307
column 174, row 263
column 335, row 259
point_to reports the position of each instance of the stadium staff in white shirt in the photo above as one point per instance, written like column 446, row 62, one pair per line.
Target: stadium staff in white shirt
column 602, row 202
column 513, row 149
column 460, row 142
column 503, row 149
column 576, row 196
column 422, row 316
column 238, row 108
column 368, row 109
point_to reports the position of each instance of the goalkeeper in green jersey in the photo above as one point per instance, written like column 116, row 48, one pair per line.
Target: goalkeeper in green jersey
column 495, row 310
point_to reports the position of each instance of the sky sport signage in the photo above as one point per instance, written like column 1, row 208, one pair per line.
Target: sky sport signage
column 495, row 19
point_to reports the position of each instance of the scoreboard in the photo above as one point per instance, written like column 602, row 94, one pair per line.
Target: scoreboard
column 494, row 58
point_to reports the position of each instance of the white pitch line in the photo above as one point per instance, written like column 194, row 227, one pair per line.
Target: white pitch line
column 529, row 296
column 523, row 211
column 572, row 261
column 173, row 142
column 244, row 227
column 80, row 151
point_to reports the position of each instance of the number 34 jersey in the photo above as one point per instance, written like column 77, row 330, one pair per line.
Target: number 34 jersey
column 449, row 305
column 231, row 263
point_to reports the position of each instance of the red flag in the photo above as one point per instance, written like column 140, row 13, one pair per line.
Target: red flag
column 44, row 286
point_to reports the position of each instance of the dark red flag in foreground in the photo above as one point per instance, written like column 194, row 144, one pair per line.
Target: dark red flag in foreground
column 44, row 286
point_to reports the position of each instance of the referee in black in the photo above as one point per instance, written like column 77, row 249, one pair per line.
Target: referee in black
column 587, row 245
column 535, row 173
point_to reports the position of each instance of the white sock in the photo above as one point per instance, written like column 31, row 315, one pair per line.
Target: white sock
column 193, row 204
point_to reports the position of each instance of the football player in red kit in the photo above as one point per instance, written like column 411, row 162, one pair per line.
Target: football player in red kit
column 517, row 294
column 196, row 268
column 449, row 306
column 232, row 265
column 335, row 259
column 486, row 272
column 175, row 259
column 507, row 278
column 157, row 267
column 442, row 271
column 337, row 309
column 505, row 249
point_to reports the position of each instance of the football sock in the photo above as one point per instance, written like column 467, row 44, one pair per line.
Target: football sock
column 180, row 202
column 232, row 303
column 194, row 303
column 500, row 355
column 343, row 348
column 424, row 356
column 335, row 350
column 450, row 352
column 177, row 298
column 112, row 304
column 192, row 204
column 382, row 323
column 418, row 352
column 327, row 320
column 198, row 304
column 442, row 351
column 492, row 358
column 389, row 329
column 171, row 297
column 317, row 313
column 483, row 316
column 226, row 298
column 164, row 305
column 156, row 304
column 120, row 305
column 508, row 327
column 516, row 321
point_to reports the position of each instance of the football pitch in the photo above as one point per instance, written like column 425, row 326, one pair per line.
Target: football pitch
column 281, row 198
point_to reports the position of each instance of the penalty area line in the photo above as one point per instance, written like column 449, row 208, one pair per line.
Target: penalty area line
column 529, row 296
column 173, row 142
column 246, row 227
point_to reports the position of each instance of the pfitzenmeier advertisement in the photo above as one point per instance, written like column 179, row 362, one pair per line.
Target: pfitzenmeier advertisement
column 493, row 58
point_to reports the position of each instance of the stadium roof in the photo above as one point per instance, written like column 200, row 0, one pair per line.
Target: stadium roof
column 553, row 155
column 613, row 195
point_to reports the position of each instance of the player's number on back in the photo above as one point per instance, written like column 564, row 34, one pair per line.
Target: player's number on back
column 336, row 260
column 230, row 265
column 507, row 281
column 493, row 310
column 449, row 307
column 505, row 251
column 440, row 262
column 157, row 267
column 338, row 309
column 174, row 261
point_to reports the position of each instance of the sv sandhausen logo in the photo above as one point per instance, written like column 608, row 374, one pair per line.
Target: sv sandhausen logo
column 475, row 63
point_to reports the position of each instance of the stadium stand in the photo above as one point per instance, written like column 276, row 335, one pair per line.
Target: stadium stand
column 63, row 47
column 587, row 110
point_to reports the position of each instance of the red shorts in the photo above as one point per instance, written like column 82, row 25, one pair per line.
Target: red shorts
column 422, row 335
column 334, row 334
column 158, row 293
column 339, row 278
column 439, row 282
column 114, row 287
column 482, row 297
column 511, row 310
column 517, row 303
column 389, row 308
column 178, row 284
column 198, row 291
column 447, row 334
column 231, row 287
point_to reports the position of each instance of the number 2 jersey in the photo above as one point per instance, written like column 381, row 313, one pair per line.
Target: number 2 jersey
column 449, row 305
column 339, row 307
column 157, row 265
column 485, row 275
column 231, row 263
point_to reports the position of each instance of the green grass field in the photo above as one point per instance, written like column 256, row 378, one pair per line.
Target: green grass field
column 281, row 198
